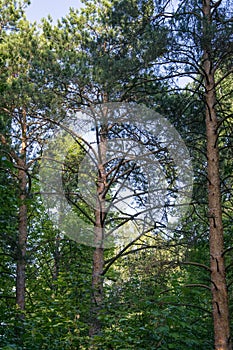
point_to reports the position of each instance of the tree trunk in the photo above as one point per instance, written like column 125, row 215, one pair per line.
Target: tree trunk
column 216, row 239
column 99, row 231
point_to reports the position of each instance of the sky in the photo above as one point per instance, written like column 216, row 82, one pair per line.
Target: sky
column 56, row 8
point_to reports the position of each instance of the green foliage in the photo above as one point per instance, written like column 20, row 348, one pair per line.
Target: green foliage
column 104, row 58
column 11, row 12
column 151, row 308
column 109, row 50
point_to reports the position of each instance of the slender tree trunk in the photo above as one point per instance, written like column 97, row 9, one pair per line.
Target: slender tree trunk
column 98, row 256
column 22, row 228
column 216, row 239
column 97, row 292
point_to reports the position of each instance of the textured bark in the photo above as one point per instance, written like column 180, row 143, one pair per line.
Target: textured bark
column 97, row 291
column 98, row 256
column 216, row 238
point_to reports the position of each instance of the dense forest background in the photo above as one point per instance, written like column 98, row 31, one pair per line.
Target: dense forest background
column 169, row 288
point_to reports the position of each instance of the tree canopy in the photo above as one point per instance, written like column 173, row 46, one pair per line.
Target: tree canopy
column 70, row 130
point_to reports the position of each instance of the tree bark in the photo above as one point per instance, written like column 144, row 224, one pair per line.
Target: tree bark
column 216, row 238
column 99, row 232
